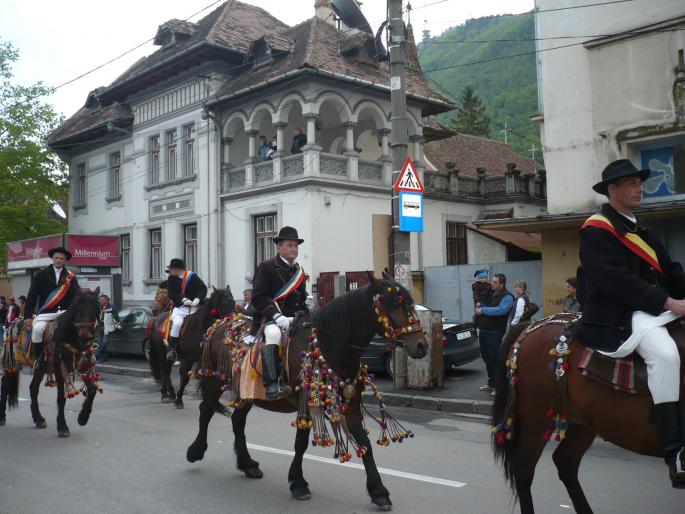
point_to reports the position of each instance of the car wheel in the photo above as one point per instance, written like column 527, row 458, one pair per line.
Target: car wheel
column 390, row 364
column 146, row 349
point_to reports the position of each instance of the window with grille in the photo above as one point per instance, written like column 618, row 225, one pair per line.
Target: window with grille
column 264, row 233
column 126, row 258
column 154, row 160
column 115, row 175
column 156, row 253
column 171, row 154
column 189, row 150
column 190, row 246
column 80, row 193
column 456, row 243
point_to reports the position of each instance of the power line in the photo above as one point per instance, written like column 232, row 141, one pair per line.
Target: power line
column 517, row 40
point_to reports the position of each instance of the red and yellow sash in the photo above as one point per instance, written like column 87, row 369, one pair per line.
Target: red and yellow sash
column 633, row 242
column 290, row 286
column 187, row 275
column 54, row 299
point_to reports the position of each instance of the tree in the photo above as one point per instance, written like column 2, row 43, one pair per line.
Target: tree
column 32, row 177
column 471, row 117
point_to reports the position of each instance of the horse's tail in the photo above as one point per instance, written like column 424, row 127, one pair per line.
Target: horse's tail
column 11, row 383
column 504, row 405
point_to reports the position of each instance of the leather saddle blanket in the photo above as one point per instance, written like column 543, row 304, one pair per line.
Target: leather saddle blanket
column 20, row 340
column 627, row 374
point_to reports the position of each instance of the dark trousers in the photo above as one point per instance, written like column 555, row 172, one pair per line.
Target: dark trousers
column 490, row 342
column 101, row 352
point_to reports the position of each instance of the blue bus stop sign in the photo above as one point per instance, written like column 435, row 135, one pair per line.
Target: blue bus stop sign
column 411, row 212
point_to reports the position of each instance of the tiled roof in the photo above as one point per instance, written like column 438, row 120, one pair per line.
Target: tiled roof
column 468, row 152
column 88, row 119
column 187, row 28
column 316, row 46
column 528, row 241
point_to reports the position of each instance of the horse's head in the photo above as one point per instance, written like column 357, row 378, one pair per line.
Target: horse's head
column 221, row 303
column 85, row 310
column 395, row 315
column 162, row 299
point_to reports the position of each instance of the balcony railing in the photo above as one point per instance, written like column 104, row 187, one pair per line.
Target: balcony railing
column 482, row 186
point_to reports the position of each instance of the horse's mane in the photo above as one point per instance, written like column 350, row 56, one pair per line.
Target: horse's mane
column 347, row 318
column 66, row 331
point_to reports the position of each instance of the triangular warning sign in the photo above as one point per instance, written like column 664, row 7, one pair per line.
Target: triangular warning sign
column 409, row 180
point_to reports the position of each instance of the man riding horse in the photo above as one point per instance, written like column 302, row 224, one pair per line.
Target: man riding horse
column 279, row 292
column 630, row 289
column 52, row 291
column 186, row 291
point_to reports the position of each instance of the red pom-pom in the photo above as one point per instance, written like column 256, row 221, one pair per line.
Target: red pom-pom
column 565, row 366
column 548, row 435
column 515, row 379
column 550, row 413
column 214, row 312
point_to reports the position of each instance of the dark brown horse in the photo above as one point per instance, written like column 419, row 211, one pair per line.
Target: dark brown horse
column 541, row 391
column 68, row 349
column 344, row 329
column 219, row 305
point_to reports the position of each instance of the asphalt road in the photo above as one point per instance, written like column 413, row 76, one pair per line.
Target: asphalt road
column 131, row 459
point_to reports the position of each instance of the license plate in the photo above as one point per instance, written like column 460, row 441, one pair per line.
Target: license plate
column 463, row 335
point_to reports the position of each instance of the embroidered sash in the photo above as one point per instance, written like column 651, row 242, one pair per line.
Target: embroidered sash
column 54, row 299
column 291, row 285
column 633, row 242
column 187, row 275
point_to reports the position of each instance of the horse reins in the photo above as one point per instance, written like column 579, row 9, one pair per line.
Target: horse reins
column 388, row 325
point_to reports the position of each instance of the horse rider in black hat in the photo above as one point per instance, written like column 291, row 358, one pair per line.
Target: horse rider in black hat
column 52, row 291
column 186, row 290
column 278, row 293
column 630, row 289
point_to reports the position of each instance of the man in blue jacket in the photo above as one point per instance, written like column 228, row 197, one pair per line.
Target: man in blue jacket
column 492, row 323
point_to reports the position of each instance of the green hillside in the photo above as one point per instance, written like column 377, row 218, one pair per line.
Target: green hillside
column 506, row 86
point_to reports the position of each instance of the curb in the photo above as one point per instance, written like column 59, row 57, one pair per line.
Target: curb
column 473, row 410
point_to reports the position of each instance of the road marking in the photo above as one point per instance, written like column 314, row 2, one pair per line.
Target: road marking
column 382, row 471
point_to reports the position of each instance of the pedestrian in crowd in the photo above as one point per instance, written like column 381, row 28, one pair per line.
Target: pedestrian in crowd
column 13, row 311
column 247, row 308
column 521, row 300
column 571, row 303
column 3, row 318
column 492, row 316
column 273, row 149
column 299, row 140
column 21, row 301
column 108, row 323
column 263, row 150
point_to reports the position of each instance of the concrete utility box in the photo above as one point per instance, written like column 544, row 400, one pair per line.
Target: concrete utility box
column 429, row 372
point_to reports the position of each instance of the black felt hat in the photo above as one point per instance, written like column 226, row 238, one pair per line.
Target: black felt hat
column 176, row 264
column 617, row 170
column 59, row 249
column 288, row 234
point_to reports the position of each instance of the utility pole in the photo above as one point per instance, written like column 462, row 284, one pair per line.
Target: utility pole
column 533, row 149
column 400, row 240
column 506, row 132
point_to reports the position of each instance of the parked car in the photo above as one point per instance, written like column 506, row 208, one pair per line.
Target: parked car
column 460, row 346
column 131, row 339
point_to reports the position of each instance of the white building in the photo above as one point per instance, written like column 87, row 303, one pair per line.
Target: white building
column 167, row 155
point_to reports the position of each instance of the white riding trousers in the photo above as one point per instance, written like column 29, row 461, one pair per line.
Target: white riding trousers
column 651, row 341
column 40, row 322
column 177, row 317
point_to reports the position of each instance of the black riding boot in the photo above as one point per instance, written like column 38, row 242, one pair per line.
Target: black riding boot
column 271, row 371
column 667, row 417
column 173, row 343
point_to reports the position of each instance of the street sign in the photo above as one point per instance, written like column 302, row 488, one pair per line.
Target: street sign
column 409, row 179
column 411, row 212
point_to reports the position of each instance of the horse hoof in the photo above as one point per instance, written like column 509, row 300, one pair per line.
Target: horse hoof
column 41, row 424
column 193, row 454
column 64, row 433
column 382, row 502
column 2, row 421
column 301, row 493
column 166, row 399
column 83, row 419
column 178, row 405
column 253, row 473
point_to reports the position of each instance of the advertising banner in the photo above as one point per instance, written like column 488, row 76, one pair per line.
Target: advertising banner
column 31, row 253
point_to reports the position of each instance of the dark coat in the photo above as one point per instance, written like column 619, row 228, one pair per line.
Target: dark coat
column 298, row 142
column 268, row 280
column 12, row 312
column 616, row 282
column 42, row 285
column 196, row 288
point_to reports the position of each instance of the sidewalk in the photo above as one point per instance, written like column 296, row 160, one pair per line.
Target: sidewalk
column 461, row 394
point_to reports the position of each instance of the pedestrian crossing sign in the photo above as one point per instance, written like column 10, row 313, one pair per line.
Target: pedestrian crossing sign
column 409, row 179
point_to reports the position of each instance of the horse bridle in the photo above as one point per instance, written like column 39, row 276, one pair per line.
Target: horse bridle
column 387, row 324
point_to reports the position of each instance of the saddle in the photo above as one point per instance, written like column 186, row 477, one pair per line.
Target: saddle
column 627, row 374
column 19, row 340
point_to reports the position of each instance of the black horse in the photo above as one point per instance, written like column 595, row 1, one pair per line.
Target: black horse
column 219, row 305
column 68, row 348
column 344, row 329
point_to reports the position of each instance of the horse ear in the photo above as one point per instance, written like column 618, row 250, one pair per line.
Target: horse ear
column 97, row 291
column 386, row 274
column 377, row 285
column 228, row 290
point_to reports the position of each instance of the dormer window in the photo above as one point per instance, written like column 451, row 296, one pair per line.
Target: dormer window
column 262, row 54
column 174, row 31
column 266, row 48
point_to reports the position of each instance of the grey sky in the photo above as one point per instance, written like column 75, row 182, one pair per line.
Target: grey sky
column 59, row 40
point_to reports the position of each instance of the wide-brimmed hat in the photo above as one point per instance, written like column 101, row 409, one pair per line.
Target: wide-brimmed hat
column 288, row 234
column 176, row 264
column 59, row 249
column 616, row 170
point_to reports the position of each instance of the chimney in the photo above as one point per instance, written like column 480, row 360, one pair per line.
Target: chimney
column 324, row 11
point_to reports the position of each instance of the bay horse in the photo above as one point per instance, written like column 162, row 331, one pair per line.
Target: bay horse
column 219, row 305
column 67, row 349
column 541, row 391
column 344, row 328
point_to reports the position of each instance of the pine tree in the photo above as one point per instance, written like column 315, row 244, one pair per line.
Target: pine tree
column 471, row 117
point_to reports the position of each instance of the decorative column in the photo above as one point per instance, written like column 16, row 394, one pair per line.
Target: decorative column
column 509, row 180
column 252, row 145
column 385, row 146
column 226, row 154
column 452, row 178
column 416, row 141
column 280, row 134
column 349, row 141
column 311, row 127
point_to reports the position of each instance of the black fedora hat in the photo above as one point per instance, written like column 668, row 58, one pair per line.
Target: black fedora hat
column 617, row 170
column 288, row 234
column 59, row 249
column 176, row 264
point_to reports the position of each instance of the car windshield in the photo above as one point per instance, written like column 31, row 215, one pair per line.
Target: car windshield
column 132, row 316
